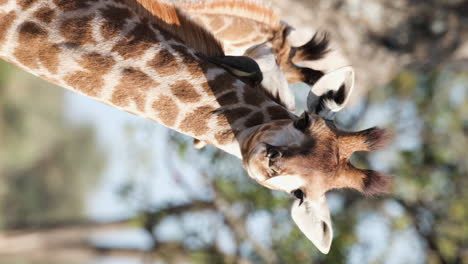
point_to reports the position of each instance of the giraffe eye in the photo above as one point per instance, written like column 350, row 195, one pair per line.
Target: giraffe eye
column 272, row 152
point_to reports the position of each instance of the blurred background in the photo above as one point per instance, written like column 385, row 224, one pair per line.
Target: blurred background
column 81, row 182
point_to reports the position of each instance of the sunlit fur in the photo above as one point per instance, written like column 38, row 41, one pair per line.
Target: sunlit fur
column 314, row 156
column 248, row 9
column 169, row 17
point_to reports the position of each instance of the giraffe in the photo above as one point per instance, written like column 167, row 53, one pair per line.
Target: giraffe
column 242, row 24
column 245, row 25
column 115, row 52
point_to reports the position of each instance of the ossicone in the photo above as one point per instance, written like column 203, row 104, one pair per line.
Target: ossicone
column 371, row 139
column 368, row 182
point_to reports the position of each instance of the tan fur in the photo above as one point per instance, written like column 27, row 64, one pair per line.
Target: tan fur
column 140, row 83
column 78, row 31
column 86, row 82
column 177, row 23
column 113, row 23
column 368, row 182
column 248, row 9
column 350, row 144
column 185, row 91
column 25, row 4
column 224, row 137
column 45, row 15
column 32, row 41
column 166, row 109
column 196, row 122
column 137, row 41
column 366, row 140
column 165, row 12
column 348, row 177
column 90, row 81
column 8, row 18
column 166, row 59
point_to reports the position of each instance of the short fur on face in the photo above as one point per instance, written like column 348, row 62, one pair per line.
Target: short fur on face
column 316, row 157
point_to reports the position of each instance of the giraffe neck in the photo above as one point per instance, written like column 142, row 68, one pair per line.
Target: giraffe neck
column 236, row 33
column 104, row 50
column 239, row 24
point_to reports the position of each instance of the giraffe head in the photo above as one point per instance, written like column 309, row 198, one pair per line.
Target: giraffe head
column 306, row 156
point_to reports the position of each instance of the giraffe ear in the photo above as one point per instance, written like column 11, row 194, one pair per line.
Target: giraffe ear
column 241, row 66
column 313, row 219
column 331, row 92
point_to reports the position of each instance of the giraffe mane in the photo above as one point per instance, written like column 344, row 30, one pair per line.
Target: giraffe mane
column 180, row 25
column 250, row 9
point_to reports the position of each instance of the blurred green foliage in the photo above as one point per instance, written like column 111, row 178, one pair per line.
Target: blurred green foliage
column 47, row 165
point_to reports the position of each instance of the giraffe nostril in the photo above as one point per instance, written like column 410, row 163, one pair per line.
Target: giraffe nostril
column 324, row 228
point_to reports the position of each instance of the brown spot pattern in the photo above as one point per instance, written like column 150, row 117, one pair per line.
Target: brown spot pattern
column 86, row 82
column 255, row 119
column 183, row 53
column 221, row 83
column 166, row 109
column 114, row 21
column 97, row 63
column 185, row 91
column 136, row 42
column 197, row 121
column 45, row 14
column 253, row 97
column 78, row 30
column 91, row 81
column 225, row 137
column 133, row 86
column 227, row 117
column 228, row 99
column 34, row 48
column 164, row 63
column 2, row 2
column 7, row 19
column 67, row 5
column 25, row 4
column 194, row 66
column 277, row 113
